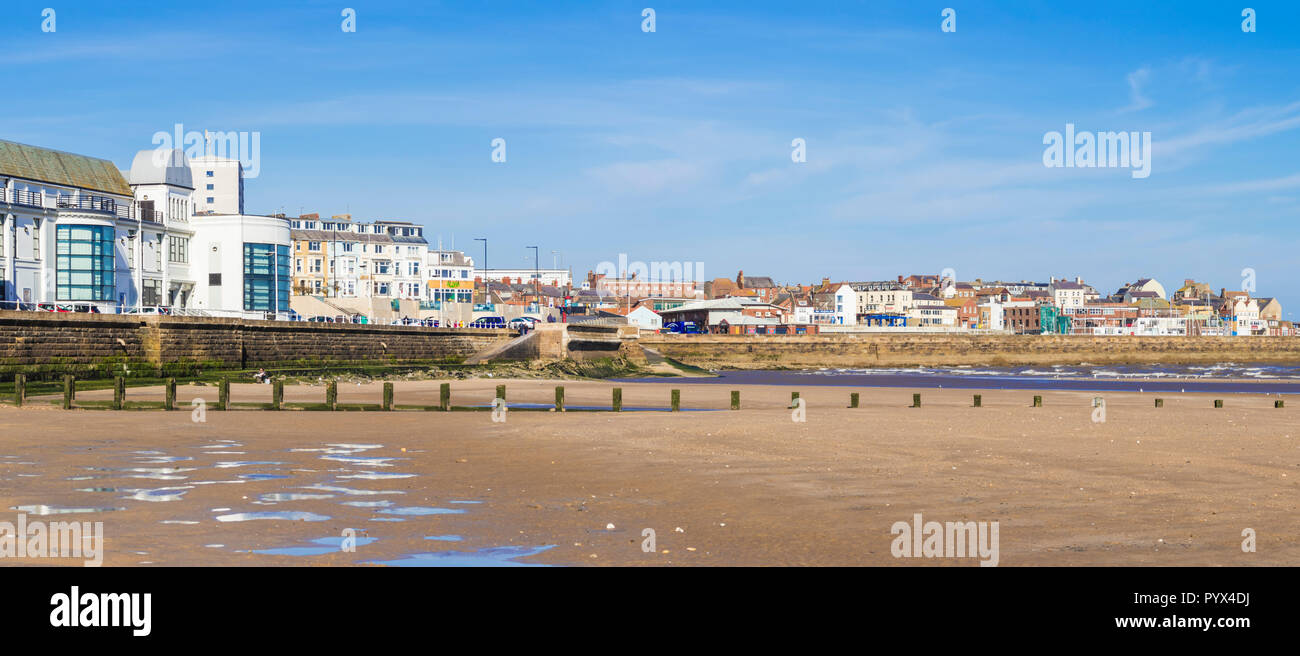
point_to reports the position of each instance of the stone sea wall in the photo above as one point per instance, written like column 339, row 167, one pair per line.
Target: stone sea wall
column 907, row 350
column 105, row 345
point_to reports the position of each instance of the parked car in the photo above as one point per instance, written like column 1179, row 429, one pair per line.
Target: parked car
column 321, row 320
column 150, row 309
column 518, row 323
column 53, row 307
column 488, row 322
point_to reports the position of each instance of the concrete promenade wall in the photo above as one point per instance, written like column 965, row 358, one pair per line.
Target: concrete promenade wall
column 90, row 344
column 903, row 350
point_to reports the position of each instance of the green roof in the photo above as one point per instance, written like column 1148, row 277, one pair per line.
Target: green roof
column 60, row 168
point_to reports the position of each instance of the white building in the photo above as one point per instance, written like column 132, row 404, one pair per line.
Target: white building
column 1067, row 294
column 882, row 297
column 644, row 317
column 449, row 277
column 218, row 184
column 553, row 277
column 76, row 232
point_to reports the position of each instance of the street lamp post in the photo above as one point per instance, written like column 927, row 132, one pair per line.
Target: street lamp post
column 485, row 269
column 537, row 282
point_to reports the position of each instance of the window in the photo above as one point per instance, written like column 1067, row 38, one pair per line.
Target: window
column 151, row 293
column 36, row 239
column 209, row 174
column 378, row 248
column 211, row 200
column 347, row 247
column 84, row 263
column 297, row 265
column 413, row 268
column 315, row 265
column 266, row 277
column 211, row 186
column 313, row 245
column 381, row 267
column 381, row 289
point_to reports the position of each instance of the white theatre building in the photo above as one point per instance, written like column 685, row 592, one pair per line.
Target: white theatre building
column 78, row 232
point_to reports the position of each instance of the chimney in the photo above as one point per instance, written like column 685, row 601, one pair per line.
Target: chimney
column 900, row 278
column 1078, row 279
column 826, row 282
column 1051, row 280
column 1223, row 291
column 740, row 279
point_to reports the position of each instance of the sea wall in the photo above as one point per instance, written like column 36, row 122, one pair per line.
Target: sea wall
column 906, row 350
column 102, row 345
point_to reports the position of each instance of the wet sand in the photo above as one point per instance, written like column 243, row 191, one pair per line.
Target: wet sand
column 1169, row 486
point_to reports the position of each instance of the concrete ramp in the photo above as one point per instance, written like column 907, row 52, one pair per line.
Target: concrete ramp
column 558, row 341
column 523, row 347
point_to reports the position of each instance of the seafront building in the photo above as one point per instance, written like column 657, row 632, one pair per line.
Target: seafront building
column 78, row 233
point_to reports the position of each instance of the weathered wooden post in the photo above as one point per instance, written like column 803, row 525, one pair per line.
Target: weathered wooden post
column 388, row 396
column 20, row 389
column 1278, row 403
column 979, row 401
column 677, row 400
column 223, row 394
column 853, row 400
column 559, row 398
column 1160, row 403
column 444, row 397
column 69, row 391
column 169, row 400
column 332, row 395
column 119, row 393
column 794, row 397
column 618, row 399
column 501, row 392
column 1218, row 403
column 277, row 394
column 916, row 401
column 735, row 399
column 1038, row 401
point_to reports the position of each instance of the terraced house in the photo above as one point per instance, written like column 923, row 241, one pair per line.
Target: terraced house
column 77, row 236
column 341, row 258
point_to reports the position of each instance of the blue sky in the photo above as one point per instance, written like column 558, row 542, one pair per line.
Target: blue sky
column 924, row 149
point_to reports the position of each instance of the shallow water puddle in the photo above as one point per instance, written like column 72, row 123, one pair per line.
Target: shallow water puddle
column 328, row 545
column 282, row 515
column 421, row 510
column 41, row 509
column 491, row 557
column 368, row 504
column 273, row 497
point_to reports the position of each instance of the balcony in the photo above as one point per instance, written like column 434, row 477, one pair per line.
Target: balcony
column 84, row 202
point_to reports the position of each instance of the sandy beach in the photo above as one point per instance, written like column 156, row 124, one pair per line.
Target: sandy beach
column 1148, row 486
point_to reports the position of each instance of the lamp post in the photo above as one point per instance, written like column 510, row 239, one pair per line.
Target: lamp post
column 485, row 268
column 537, row 282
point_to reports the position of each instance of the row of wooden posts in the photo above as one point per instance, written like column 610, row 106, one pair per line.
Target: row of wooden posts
column 444, row 396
